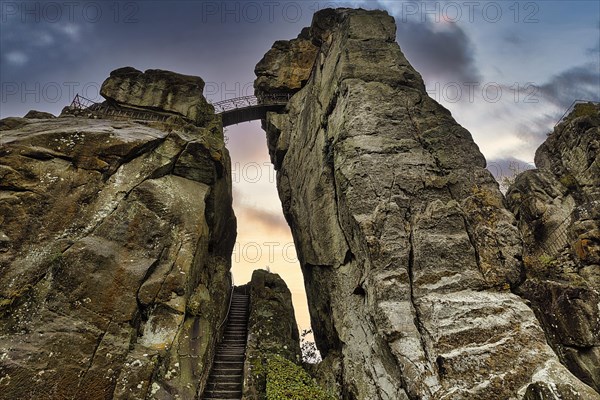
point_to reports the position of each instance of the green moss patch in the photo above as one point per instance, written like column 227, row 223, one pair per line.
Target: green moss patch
column 288, row 381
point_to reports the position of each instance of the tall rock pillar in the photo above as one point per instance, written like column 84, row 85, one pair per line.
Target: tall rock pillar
column 407, row 250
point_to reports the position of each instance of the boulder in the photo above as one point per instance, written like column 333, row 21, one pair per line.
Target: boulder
column 156, row 89
column 34, row 114
column 285, row 68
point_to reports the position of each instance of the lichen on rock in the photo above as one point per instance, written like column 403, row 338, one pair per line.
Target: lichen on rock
column 272, row 331
column 407, row 250
column 558, row 211
column 158, row 90
column 110, row 230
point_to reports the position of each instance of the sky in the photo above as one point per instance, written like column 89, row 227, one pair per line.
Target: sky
column 507, row 70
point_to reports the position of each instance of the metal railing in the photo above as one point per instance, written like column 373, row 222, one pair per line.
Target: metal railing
column 250, row 101
column 230, row 301
column 558, row 238
column 571, row 107
column 82, row 103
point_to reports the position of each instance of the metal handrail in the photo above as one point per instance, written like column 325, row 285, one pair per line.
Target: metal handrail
column 230, row 301
column 572, row 106
column 250, row 101
column 82, row 103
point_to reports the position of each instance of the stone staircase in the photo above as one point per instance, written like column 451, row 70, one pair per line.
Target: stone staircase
column 226, row 377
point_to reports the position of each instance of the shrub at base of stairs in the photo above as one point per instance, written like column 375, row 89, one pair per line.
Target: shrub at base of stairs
column 288, row 381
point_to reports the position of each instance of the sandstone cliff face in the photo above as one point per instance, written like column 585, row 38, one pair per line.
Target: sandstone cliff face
column 272, row 331
column 407, row 250
column 558, row 209
column 286, row 67
column 115, row 251
column 159, row 90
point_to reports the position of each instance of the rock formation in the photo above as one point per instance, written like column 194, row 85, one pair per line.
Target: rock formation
column 34, row 114
column 407, row 250
column 272, row 330
column 115, row 247
column 116, row 239
column 558, row 209
column 158, row 90
column 273, row 361
column 274, row 72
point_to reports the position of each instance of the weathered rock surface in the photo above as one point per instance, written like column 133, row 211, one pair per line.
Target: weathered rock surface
column 558, row 210
column 272, row 331
column 407, row 250
column 287, row 65
column 115, row 250
column 158, row 90
column 34, row 114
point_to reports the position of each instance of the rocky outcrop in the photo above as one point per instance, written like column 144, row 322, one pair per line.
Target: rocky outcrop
column 287, row 65
column 34, row 114
column 157, row 89
column 115, row 251
column 558, row 209
column 407, row 250
column 272, row 331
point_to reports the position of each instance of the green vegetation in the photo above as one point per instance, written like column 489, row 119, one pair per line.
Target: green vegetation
column 568, row 181
column 546, row 260
column 584, row 109
column 542, row 266
column 288, row 381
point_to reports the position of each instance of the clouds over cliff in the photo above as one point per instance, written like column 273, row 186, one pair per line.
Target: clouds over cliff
column 440, row 51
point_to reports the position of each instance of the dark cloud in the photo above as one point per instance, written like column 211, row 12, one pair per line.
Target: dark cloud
column 513, row 39
column 439, row 53
column 536, row 128
column 577, row 83
column 552, row 99
column 217, row 40
column 595, row 50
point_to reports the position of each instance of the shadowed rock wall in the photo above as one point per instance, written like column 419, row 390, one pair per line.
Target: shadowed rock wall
column 115, row 245
column 558, row 209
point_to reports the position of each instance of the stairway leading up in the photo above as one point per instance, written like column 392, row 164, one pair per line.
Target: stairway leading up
column 226, row 377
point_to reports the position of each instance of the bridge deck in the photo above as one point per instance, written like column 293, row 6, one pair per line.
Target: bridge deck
column 249, row 108
column 232, row 111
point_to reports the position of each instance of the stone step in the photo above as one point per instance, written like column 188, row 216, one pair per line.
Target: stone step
column 224, row 385
column 240, row 332
column 228, row 371
column 226, row 377
column 231, row 346
column 223, row 394
column 232, row 376
column 229, row 357
column 228, row 363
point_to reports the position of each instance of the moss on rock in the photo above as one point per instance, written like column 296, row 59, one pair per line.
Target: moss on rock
column 288, row 381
